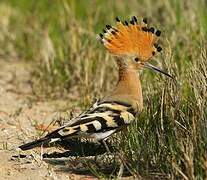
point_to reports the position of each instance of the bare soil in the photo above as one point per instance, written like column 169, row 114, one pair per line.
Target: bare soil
column 20, row 110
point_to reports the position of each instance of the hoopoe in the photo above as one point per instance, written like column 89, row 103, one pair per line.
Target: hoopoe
column 133, row 44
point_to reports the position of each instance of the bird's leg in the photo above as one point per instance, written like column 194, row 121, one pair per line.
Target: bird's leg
column 104, row 142
column 123, row 164
column 121, row 170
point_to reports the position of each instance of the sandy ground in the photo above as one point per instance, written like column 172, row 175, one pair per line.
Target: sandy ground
column 19, row 111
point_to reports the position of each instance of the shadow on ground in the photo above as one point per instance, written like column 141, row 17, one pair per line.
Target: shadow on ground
column 85, row 158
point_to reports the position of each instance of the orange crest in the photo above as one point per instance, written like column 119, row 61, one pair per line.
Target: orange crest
column 131, row 38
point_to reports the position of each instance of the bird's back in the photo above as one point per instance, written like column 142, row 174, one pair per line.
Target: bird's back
column 99, row 122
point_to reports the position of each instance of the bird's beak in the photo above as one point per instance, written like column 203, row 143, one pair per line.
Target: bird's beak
column 150, row 66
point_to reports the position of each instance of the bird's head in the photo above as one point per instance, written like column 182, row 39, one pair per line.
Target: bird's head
column 133, row 43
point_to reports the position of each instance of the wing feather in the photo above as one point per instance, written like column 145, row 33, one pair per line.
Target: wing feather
column 99, row 122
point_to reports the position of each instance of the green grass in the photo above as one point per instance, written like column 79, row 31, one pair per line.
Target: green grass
column 58, row 38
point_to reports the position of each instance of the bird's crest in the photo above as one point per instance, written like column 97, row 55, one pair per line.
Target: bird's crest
column 131, row 38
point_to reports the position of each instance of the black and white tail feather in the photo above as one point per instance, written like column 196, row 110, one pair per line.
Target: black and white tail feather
column 99, row 122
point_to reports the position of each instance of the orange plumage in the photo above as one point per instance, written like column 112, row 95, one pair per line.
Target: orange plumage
column 131, row 38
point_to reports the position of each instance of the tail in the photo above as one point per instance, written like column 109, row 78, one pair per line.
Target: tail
column 37, row 143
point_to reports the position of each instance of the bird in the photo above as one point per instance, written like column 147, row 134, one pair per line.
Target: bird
column 132, row 44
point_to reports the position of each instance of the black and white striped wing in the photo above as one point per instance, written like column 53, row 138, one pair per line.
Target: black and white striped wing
column 99, row 122
column 102, row 119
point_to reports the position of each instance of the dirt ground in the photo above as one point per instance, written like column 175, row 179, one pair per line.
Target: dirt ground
column 19, row 111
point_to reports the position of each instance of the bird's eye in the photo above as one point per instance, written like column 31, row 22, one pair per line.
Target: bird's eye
column 136, row 59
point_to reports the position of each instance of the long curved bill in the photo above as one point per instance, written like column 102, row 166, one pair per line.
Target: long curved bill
column 154, row 68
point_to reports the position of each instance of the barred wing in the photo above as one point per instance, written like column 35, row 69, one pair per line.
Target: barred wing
column 99, row 122
column 103, row 119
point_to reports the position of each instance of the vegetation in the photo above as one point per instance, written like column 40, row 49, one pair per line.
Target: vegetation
column 58, row 38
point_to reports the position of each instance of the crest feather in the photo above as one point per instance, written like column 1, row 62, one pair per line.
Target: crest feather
column 131, row 38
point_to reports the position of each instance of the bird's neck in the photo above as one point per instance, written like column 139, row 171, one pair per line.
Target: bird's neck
column 128, row 88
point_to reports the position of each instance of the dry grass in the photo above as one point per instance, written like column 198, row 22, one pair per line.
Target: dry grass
column 59, row 40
